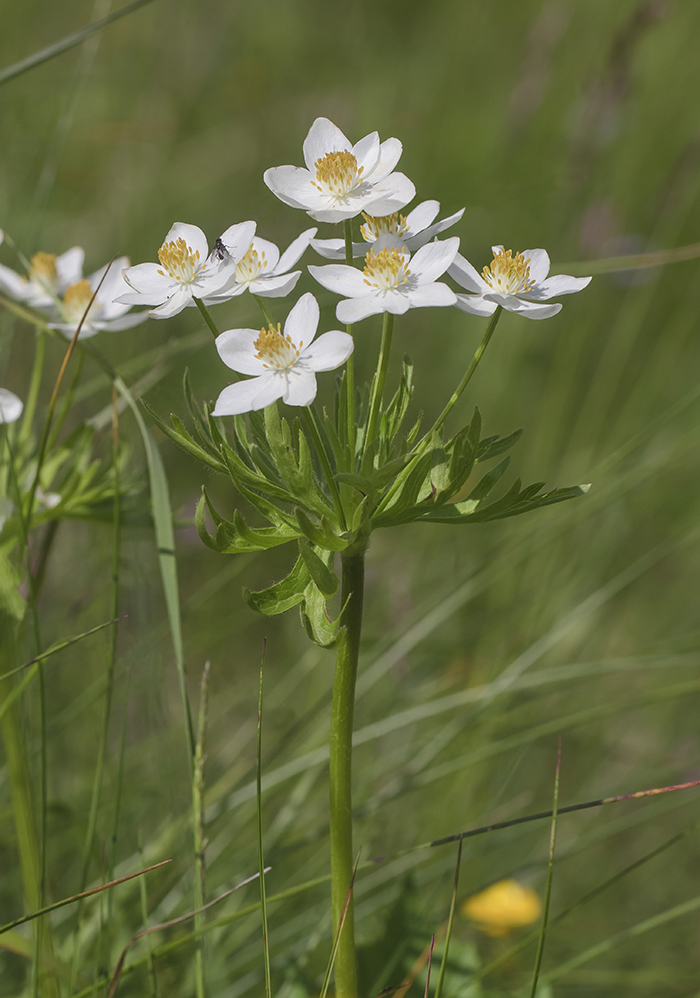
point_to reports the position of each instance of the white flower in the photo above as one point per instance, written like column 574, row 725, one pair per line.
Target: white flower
column 414, row 230
column 10, row 406
column 284, row 364
column 341, row 180
column 49, row 276
column 105, row 313
column 262, row 270
column 517, row 283
column 186, row 270
column 388, row 283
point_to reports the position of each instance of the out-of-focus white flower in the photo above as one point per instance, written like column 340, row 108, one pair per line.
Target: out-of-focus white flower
column 10, row 406
column 49, row 276
column 186, row 270
column 392, row 280
column 341, row 179
column 284, row 364
column 415, row 230
column 105, row 313
column 517, row 283
column 262, row 270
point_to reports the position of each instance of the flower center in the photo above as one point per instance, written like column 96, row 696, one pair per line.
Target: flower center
column 337, row 173
column 76, row 300
column 180, row 260
column 250, row 266
column 43, row 270
column 509, row 274
column 386, row 269
column 276, row 350
column 374, row 227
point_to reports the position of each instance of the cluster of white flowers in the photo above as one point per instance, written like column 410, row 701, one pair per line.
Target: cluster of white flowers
column 403, row 261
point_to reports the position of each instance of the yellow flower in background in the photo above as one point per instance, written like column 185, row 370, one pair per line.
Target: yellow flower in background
column 503, row 907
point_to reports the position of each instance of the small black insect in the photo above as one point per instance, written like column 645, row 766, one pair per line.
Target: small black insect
column 220, row 252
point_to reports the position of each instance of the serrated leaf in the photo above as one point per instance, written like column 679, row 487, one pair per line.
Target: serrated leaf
column 314, row 616
column 358, row 482
column 509, row 505
column 200, row 524
column 489, row 480
column 322, row 535
column 282, row 595
column 323, row 576
column 179, row 435
column 493, row 446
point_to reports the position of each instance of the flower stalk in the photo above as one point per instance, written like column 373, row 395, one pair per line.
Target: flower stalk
column 375, row 399
column 342, row 711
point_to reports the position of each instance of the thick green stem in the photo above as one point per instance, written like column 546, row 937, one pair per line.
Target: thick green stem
column 350, row 365
column 342, row 858
column 478, row 354
column 377, row 392
column 206, row 315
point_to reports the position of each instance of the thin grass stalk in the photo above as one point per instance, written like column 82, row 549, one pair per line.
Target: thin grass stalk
column 336, row 940
column 199, row 837
column 350, row 363
column 34, row 386
column 340, row 766
column 550, row 871
column 261, row 857
column 143, row 897
column 377, row 390
column 430, row 964
column 450, row 921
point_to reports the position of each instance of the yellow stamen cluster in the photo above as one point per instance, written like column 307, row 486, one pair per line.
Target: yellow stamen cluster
column 337, row 173
column 503, row 907
column 43, row 269
column 250, row 266
column 509, row 274
column 180, row 261
column 275, row 349
column 376, row 226
column 76, row 299
column 386, row 269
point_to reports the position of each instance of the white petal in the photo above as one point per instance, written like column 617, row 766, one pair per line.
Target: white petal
column 366, row 152
column 539, row 264
column 150, row 282
column 237, row 349
column 497, row 249
column 248, row 396
column 389, row 155
column 275, row 287
column 431, row 295
column 69, row 266
column 302, row 321
column 300, row 387
column 10, row 406
column 193, row 236
column 173, row 305
column 395, row 301
column 533, row 311
column 329, row 351
column 475, row 305
column 432, row 260
column 421, row 217
column 354, row 309
column 390, row 195
column 331, row 249
column 293, row 185
column 124, row 322
column 237, row 239
column 295, row 251
column 341, row 279
column 415, row 242
column 272, row 253
column 559, row 284
column 14, row 284
column 323, row 137
column 467, row 276
column 113, row 283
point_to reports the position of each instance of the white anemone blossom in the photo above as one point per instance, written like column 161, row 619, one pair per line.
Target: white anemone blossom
column 186, row 270
column 341, row 179
column 10, row 406
column 49, row 276
column 517, row 283
column 105, row 313
column 392, row 280
column 415, row 230
column 262, row 271
column 284, row 363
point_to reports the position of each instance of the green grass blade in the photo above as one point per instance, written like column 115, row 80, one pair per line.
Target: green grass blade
column 550, row 871
column 198, row 822
column 261, row 858
column 450, row 921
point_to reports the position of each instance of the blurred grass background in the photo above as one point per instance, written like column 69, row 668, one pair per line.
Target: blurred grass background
column 569, row 124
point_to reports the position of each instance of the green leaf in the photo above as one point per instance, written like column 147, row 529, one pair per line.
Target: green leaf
column 282, row 595
column 238, row 538
column 179, row 435
column 493, row 446
column 314, row 616
column 512, row 504
column 359, row 483
column 489, row 481
column 323, row 535
column 323, row 576
column 201, row 526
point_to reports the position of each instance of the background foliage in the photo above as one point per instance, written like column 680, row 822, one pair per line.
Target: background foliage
column 566, row 124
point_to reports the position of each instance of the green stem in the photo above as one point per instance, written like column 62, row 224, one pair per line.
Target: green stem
column 350, row 365
column 310, row 418
column 342, row 858
column 199, row 834
column 263, row 309
column 478, row 354
column 34, row 386
column 206, row 315
column 377, row 391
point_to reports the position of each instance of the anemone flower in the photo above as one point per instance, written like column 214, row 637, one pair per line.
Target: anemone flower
column 262, row 270
column 105, row 313
column 415, row 230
